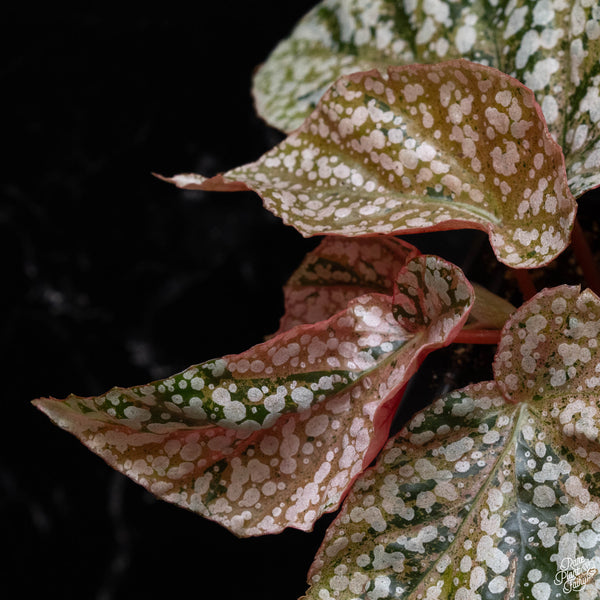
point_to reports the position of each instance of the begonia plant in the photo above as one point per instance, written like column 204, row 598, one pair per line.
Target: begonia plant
column 404, row 117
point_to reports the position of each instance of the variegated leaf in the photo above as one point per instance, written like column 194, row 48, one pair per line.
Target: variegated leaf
column 273, row 437
column 552, row 47
column 553, row 348
column 430, row 147
column 341, row 269
column 481, row 498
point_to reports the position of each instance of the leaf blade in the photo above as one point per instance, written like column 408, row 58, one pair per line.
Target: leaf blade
column 506, row 492
column 422, row 149
column 228, row 439
column 338, row 271
column 550, row 345
column 472, row 510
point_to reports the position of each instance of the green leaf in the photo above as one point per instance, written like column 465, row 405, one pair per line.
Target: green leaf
column 552, row 47
column 273, row 437
column 478, row 497
column 431, row 147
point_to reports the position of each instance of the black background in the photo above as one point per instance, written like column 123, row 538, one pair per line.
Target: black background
column 111, row 277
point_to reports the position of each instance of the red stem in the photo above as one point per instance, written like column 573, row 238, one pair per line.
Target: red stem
column 525, row 283
column 478, row 336
column 585, row 258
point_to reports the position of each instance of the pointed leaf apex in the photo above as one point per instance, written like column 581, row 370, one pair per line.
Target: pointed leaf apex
column 193, row 181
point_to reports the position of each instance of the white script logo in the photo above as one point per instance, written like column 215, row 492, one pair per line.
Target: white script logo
column 574, row 573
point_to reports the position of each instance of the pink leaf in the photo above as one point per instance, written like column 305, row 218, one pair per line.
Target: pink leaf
column 339, row 270
column 273, row 437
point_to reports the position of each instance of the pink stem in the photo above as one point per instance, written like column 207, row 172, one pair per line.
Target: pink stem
column 585, row 258
column 478, row 336
column 525, row 283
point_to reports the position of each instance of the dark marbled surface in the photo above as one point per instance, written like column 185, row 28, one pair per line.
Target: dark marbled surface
column 115, row 278
column 112, row 277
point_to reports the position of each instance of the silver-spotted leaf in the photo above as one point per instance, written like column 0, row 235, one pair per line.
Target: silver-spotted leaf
column 479, row 497
column 552, row 47
column 341, row 269
column 427, row 147
column 552, row 347
column 273, row 437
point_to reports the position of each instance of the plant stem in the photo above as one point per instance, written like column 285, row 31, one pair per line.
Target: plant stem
column 525, row 283
column 478, row 336
column 585, row 258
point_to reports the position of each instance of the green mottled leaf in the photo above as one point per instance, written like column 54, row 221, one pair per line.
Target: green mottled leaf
column 430, row 147
column 552, row 47
column 273, row 437
column 481, row 498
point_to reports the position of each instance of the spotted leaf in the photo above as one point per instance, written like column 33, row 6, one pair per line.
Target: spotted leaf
column 483, row 498
column 552, row 47
column 553, row 347
column 273, row 437
column 430, row 147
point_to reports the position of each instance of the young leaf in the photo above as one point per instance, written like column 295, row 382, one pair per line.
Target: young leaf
column 478, row 497
column 551, row 47
column 553, row 349
column 339, row 270
column 430, row 147
column 273, row 437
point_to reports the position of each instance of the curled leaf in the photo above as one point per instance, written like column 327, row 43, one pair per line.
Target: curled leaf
column 273, row 437
column 551, row 47
column 339, row 270
column 427, row 147
column 479, row 497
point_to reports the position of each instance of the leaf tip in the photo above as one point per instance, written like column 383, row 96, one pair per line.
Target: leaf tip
column 193, row 181
column 184, row 180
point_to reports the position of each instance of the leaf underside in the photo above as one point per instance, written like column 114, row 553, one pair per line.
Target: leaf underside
column 425, row 147
column 553, row 48
column 273, row 437
column 338, row 271
column 478, row 497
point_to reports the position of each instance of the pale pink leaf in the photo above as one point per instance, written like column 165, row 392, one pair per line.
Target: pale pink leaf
column 339, row 270
column 273, row 437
